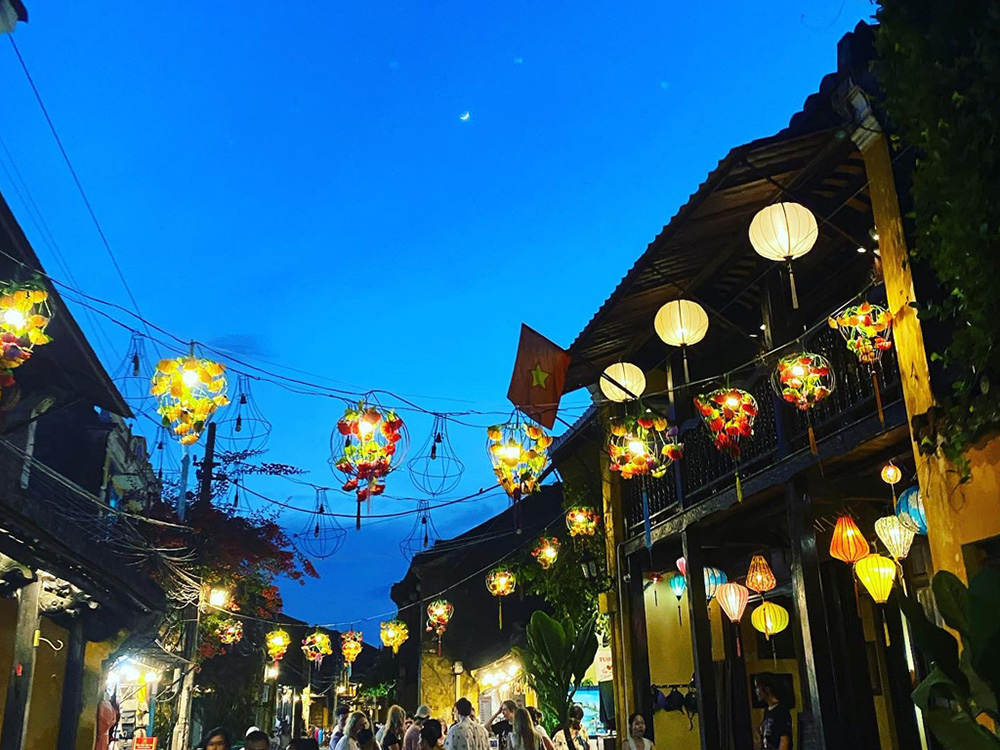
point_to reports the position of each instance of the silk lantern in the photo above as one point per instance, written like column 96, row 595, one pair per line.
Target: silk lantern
column 713, row 579
column 782, row 232
column 848, row 543
column 681, row 322
column 678, row 584
column 896, row 537
column 877, row 573
column 760, row 577
column 910, row 509
column 733, row 598
column 769, row 618
column 623, row 381
column 682, row 566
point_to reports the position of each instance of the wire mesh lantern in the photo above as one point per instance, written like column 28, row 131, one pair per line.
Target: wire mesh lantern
column 439, row 614
column 322, row 536
column 546, row 552
column 277, row 643
column 230, row 632
column 582, row 520
column 435, row 469
column 189, row 390
column 804, row 379
column 501, row 582
column 642, row 445
column 368, row 443
column 729, row 414
column 394, row 634
column 316, row 646
column 133, row 375
column 867, row 332
column 245, row 428
column 422, row 535
column 24, row 316
column 519, row 452
column 351, row 645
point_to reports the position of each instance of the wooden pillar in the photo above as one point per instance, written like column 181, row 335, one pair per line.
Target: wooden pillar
column 640, row 655
column 72, row 696
column 809, row 620
column 701, row 642
column 616, row 602
column 15, row 714
column 908, row 337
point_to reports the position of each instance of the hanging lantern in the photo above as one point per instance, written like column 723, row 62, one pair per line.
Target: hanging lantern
column 439, row 614
column 654, row 578
column 24, row 316
column 848, row 543
column 423, row 535
column 804, row 380
column 622, row 381
column 436, row 469
column 519, row 452
column 769, row 618
column 229, row 632
column 501, row 582
column 910, row 509
column 760, row 577
column 132, row 377
column 582, row 521
column 642, row 445
column 733, row 599
column 367, row 444
column 681, row 322
column 782, row 232
column 896, row 537
column 891, row 474
column 714, row 577
column 877, row 573
column 351, row 645
column 866, row 329
column 394, row 634
column 245, row 428
column 546, row 552
column 678, row 584
column 322, row 536
column 277, row 642
column 315, row 646
column 682, row 566
column 729, row 414
column 189, row 390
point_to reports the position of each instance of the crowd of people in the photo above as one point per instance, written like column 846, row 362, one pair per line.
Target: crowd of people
column 514, row 727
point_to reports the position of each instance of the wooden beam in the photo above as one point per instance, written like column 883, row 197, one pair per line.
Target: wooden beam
column 701, row 642
column 15, row 714
column 72, row 695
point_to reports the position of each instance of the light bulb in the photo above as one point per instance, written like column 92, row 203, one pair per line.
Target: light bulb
column 218, row 597
column 152, row 677
column 732, row 402
column 190, row 377
column 798, row 371
column 549, row 552
column 14, row 318
column 637, row 447
column 365, row 428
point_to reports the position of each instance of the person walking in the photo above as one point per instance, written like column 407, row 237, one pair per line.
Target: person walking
column 390, row 736
column 776, row 728
column 637, row 734
column 467, row 733
column 411, row 740
column 536, row 719
column 356, row 721
column 523, row 735
column 342, row 713
column 216, row 739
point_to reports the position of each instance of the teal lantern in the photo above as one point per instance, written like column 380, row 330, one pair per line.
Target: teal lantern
column 678, row 584
column 713, row 579
column 910, row 510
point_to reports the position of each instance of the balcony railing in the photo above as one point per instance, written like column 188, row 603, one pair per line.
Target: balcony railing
column 779, row 431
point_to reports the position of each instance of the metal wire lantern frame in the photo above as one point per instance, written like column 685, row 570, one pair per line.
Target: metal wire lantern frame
column 867, row 332
column 351, row 645
column 277, row 643
column 316, row 646
column 422, row 535
column 519, row 452
column 368, row 443
column 546, row 552
column 804, row 379
column 230, row 632
column 24, row 316
column 189, row 390
column 501, row 582
column 641, row 445
column 439, row 614
column 729, row 414
column 133, row 375
column 582, row 520
column 436, row 469
column 245, row 427
column 322, row 536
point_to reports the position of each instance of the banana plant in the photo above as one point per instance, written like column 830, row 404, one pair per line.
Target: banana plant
column 962, row 686
column 555, row 658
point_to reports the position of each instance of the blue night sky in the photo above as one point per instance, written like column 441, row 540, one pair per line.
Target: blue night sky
column 294, row 183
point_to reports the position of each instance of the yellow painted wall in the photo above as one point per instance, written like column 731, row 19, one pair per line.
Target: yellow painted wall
column 93, row 690
column 764, row 662
column 46, row 689
column 437, row 685
column 8, row 622
column 670, row 660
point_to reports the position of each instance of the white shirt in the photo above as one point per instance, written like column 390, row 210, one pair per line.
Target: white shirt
column 467, row 734
column 348, row 743
column 646, row 744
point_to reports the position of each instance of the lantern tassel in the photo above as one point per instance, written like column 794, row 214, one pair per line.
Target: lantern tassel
column 813, row 447
column 684, row 356
column 500, row 612
column 357, row 523
column 878, row 397
column 885, row 627
column 791, row 283
column 739, row 649
column 739, row 487
column 656, row 601
column 680, row 619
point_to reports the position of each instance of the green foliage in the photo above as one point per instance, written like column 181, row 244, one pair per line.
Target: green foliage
column 939, row 66
column 961, row 687
column 555, row 659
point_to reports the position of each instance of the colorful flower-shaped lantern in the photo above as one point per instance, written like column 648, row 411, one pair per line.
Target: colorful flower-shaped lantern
column 519, row 452
column 729, row 414
column 315, row 646
column 546, row 551
column 501, row 582
column 582, row 521
column 24, row 316
column 804, row 380
column 230, row 632
column 189, row 390
column 367, row 444
column 277, row 642
column 351, row 645
column 439, row 614
column 867, row 330
column 642, row 445
column 394, row 634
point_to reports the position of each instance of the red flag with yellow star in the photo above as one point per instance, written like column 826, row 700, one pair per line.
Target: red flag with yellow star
column 539, row 376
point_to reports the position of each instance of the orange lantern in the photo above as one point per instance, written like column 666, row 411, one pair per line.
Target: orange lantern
column 501, row 582
column 547, row 551
column 582, row 521
column 760, row 577
column 278, row 642
column 351, row 645
column 733, row 598
column 848, row 543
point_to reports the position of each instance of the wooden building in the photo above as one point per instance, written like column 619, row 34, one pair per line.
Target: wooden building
column 846, row 661
column 71, row 593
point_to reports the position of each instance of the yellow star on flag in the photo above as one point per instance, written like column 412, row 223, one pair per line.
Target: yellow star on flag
column 538, row 376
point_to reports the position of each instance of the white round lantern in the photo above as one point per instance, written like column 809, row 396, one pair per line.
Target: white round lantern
column 681, row 322
column 626, row 375
column 783, row 231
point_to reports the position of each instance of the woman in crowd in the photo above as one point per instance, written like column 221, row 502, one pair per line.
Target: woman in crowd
column 431, row 735
column 577, row 734
column 356, row 721
column 637, row 734
column 536, row 719
column 390, row 736
column 216, row 739
column 523, row 735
